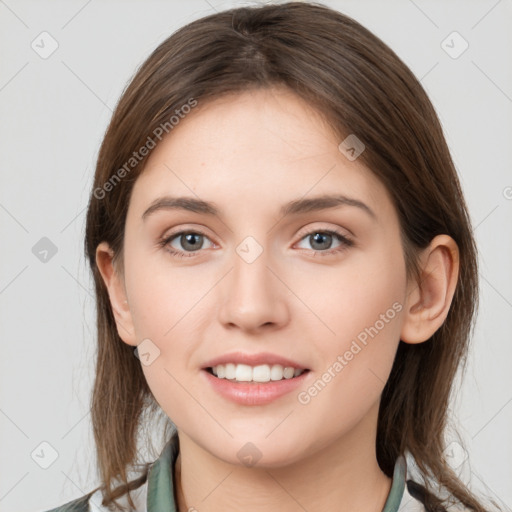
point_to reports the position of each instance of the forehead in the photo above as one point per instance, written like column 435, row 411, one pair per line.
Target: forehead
column 259, row 147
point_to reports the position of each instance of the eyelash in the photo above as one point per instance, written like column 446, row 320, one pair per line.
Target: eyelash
column 345, row 243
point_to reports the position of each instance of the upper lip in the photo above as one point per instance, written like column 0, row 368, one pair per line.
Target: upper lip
column 254, row 360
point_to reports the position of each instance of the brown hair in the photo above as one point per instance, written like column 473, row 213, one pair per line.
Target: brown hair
column 361, row 87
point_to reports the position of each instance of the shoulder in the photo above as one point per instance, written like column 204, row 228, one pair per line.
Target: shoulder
column 91, row 502
column 77, row 505
column 415, row 499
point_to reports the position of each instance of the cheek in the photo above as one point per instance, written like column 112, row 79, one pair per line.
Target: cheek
column 166, row 309
column 160, row 299
column 170, row 308
column 364, row 312
column 351, row 298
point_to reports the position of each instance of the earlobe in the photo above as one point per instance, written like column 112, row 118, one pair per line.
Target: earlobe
column 116, row 292
column 428, row 301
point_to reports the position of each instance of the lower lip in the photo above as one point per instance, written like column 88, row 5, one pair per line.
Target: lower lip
column 254, row 393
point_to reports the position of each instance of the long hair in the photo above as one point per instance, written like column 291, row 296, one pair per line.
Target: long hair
column 361, row 87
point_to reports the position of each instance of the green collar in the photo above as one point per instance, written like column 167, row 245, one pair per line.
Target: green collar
column 160, row 496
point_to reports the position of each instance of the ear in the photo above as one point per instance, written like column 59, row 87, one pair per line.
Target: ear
column 428, row 301
column 114, row 283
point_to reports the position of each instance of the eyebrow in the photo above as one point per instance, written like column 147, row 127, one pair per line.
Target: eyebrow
column 291, row 208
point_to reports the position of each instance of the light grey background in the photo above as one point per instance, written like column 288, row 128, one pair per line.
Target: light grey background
column 54, row 113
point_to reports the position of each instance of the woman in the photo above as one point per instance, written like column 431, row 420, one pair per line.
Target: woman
column 277, row 230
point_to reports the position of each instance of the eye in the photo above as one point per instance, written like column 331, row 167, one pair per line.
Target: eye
column 321, row 241
column 182, row 242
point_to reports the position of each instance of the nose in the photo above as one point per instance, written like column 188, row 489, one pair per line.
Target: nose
column 253, row 298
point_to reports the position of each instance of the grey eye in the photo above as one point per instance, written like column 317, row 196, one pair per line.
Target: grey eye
column 189, row 241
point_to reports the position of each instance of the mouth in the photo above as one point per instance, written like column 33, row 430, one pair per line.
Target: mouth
column 250, row 386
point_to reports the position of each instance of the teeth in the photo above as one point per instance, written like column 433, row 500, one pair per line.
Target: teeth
column 261, row 373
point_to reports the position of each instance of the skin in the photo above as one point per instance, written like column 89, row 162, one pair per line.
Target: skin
column 249, row 154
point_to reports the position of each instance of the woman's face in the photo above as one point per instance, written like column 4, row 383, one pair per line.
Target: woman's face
column 263, row 275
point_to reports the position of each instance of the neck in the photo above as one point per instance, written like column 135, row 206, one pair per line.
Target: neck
column 341, row 477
